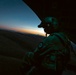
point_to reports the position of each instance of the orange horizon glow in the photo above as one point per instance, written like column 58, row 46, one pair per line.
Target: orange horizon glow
column 30, row 31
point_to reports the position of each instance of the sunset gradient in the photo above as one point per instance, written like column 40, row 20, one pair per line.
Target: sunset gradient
column 16, row 15
column 24, row 30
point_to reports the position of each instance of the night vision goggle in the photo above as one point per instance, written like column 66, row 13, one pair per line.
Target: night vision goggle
column 44, row 25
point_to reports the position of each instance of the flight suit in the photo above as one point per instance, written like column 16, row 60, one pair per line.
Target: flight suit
column 51, row 55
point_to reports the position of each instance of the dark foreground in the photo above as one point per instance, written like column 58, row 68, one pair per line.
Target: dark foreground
column 13, row 46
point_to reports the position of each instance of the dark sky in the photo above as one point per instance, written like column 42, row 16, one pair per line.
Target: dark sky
column 16, row 14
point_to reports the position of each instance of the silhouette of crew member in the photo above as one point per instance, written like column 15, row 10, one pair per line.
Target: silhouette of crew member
column 53, row 53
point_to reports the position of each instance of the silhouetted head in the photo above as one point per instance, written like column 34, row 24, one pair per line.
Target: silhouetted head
column 50, row 25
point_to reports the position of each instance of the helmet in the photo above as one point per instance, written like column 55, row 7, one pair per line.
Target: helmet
column 49, row 22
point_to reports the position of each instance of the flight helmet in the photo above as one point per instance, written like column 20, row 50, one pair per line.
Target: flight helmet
column 49, row 22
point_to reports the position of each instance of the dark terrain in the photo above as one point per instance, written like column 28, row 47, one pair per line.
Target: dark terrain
column 13, row 46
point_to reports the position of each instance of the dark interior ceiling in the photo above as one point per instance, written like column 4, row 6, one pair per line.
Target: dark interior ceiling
column 64, row 10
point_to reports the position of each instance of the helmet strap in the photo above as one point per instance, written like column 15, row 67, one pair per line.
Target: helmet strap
column 46, row 34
